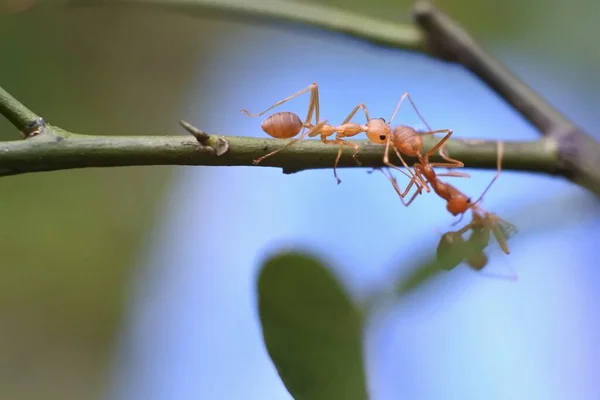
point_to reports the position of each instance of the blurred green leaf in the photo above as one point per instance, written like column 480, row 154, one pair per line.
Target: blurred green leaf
column 312, row 330
column 419, row 277
column 70, row 241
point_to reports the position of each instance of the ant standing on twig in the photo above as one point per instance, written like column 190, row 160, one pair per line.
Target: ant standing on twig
column 286, row 125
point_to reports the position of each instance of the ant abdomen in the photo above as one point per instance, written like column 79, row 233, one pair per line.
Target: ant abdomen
column 282, row 125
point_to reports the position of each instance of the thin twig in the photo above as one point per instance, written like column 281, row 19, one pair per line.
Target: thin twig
column 450, row 41
column 56, row 149
column 579, row 153
column 20, row 116
column 52, row 151
column 332, row 19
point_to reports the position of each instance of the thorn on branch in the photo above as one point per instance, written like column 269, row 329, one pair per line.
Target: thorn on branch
column 201, row 137
column 33, row 128
column 221, row 145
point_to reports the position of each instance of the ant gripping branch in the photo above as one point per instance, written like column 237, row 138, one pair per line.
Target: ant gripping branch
column 286, row 125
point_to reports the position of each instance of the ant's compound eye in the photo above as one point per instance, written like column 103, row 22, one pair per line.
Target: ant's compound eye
column 382, row 137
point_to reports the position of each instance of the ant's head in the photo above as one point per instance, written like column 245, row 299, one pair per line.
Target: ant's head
column 459, row 204
column 378, row 131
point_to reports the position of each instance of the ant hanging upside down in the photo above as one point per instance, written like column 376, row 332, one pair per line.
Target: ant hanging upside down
column 483, row 222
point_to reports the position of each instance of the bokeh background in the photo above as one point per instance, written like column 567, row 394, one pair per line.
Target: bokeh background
column 139, row 283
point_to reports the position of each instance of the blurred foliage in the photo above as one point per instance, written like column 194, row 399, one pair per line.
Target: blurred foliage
column 69, row 239
column 312, row 331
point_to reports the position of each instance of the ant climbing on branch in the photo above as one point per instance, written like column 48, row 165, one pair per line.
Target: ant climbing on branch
column 286, row 125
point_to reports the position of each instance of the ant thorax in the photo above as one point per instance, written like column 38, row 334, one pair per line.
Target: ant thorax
column 349, row 129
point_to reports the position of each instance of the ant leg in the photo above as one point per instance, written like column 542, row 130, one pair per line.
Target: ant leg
column 448, row 165
column 312, row 87
column 446, row 157
column 353, row 113
column 291, row 142
column 313, row 105
column 448, row 132
column 414, row 178
column 392, row 179
column 422, row 182
column 342, row 143
column 454, row 174
column 500, row 145
column 397, row 188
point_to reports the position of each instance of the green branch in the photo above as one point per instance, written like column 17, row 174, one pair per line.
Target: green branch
column 55, row 149
column 18, row 115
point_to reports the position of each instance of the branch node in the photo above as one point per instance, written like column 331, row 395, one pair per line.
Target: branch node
column 33, row 128
column 201, row 137
column 222, row 146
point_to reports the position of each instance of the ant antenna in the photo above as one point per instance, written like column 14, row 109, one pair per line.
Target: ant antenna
column 500, row 146
column 404, row 96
